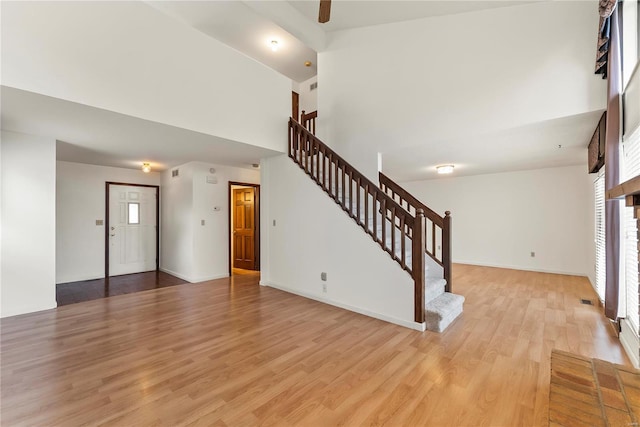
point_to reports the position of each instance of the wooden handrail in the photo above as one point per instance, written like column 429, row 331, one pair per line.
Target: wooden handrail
column 389, row 185
column 439, row 226
column 397, row 231
column 308, row 120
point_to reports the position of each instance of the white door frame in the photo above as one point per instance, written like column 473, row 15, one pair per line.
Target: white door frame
column 106, row 227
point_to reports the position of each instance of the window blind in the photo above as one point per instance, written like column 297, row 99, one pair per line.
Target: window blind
column 600, row 235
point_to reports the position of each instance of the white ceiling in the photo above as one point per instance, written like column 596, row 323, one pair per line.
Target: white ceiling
column 533, row 146
column 240, row 27
column 249, row 26
column 95, row 136
column 346, row 14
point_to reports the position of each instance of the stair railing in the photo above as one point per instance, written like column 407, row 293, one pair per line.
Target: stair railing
column 397, row 231
column 308, row 120
column 437, row 231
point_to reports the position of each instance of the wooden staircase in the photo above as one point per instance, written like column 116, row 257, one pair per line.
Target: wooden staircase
column 406, row 229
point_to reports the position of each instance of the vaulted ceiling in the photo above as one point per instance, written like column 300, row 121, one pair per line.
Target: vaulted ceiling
column 249, row 27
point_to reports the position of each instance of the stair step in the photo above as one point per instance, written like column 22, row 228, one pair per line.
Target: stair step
column 434, row 287
column 442, row 311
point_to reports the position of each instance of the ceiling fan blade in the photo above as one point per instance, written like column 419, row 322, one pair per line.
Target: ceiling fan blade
column 325, row 11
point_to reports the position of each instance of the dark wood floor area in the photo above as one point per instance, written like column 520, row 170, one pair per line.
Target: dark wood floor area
column 87, row 290
column 232, row 353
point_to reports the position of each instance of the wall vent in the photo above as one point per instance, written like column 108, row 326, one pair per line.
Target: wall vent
column 175, row 173
column 313, row 86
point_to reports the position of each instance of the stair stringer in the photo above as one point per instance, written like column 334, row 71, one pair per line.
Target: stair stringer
column 312, row 234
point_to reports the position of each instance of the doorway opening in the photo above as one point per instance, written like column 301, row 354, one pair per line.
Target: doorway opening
column 244, row 228
column 132, row 235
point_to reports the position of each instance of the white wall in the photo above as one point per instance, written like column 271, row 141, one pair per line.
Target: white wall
column 28, row 220
column 312, row 235
column 499, row 219
column 176, row 222
column 130, row 58
column 414, row 82
column 308, row 98
column 190, row 250
column 80, row 201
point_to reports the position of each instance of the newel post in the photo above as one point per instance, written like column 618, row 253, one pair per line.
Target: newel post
column 446, row 250
column 417, row 267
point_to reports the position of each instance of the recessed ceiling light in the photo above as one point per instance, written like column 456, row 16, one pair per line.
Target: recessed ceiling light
column 274, row 45
column 444, row 169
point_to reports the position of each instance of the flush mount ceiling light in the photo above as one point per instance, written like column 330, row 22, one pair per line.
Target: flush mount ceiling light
column 307, row 63
column 444, row 169
column 274, row 45
column 146, row 167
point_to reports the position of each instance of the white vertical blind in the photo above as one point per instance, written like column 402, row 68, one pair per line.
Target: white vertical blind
column 631, row 150
column 600, row 236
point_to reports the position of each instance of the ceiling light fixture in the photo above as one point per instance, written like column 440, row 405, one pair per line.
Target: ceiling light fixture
column 444, row 169
column 307, row 63
column 146, row 167
column 274, row 45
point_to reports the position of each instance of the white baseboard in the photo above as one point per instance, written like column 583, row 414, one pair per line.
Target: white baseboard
column 630, row 343
column 518, row 267
column 17, row 311
column 79, row 279
column 193, row 279
column 178, row 275
column 407, row 324
column 207, row 278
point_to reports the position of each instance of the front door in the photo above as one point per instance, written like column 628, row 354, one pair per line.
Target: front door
column 132, row 229
column 244, row 228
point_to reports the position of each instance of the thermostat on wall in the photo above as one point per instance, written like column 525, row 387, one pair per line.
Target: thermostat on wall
column 212, row 179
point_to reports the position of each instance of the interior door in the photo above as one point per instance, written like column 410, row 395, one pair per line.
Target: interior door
column 295, row 105
column 244, row 228
column 132, row 229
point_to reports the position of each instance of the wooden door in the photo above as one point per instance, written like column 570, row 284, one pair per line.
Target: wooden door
column 295, row 105
column 244, row 228
column 132, row 229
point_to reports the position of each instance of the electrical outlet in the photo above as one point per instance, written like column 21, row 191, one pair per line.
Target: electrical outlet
column 323, row 277
column 324, row 288
column 533, row 254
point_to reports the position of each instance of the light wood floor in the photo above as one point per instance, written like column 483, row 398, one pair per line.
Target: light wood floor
column 230, row 352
